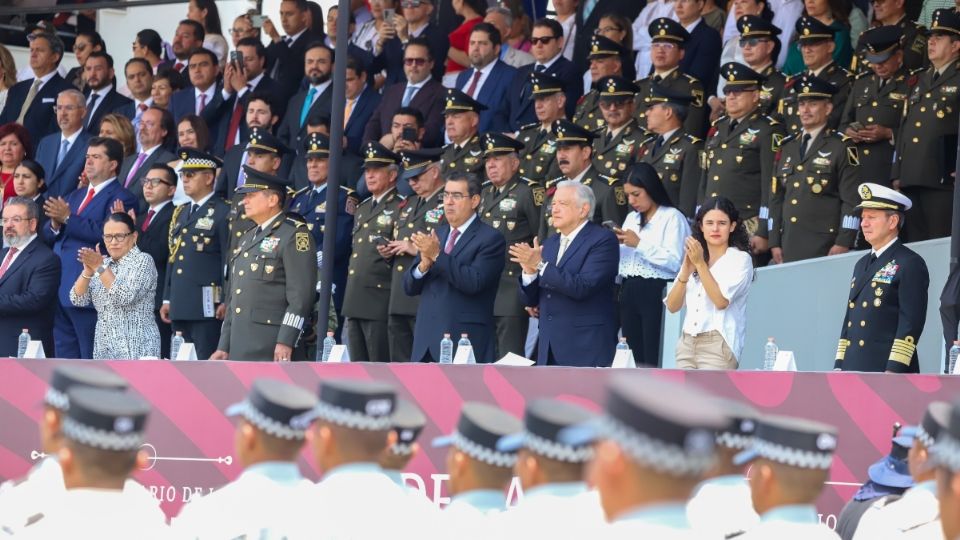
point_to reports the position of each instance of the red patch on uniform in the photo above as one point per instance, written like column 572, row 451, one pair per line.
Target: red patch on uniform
column 402, row 204
column 579, row 101
column 913, row 80
column 789, row 84
column 551, row 191
column 712, row 132
column 776, row 157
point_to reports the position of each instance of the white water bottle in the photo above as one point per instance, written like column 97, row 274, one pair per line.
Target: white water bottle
column 446, row 349
column 22, row 343
column 175, row 343
column 770, row 351
column 328, row 343
column 464, row 340
column 622, row 345
column 954, row 353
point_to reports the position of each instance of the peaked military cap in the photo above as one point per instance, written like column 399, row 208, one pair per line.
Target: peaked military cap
column 663, row 94
column 478, row 431
column 415, row 162
column 106, row 419
column 881, row 42
column 194, row 160
column 664, row 29
column 277, row 408
column 498, row 144
column 362, row 405
column 259, row 181
column 754, row 26
column 264, row 142
column 317, row 145
column 741, row 425
column 882, row 198
column 736, row 74
column 544, row 84
column 544, row 420
column 601, row 47
column 377, row 155
column 408, row 421
column 642, row 418
column 811, row 29
column 892, row 469
column 567, row 132
column 811, row 87
column 792, row 441
column 946, row 20
column 616, row 88
column 457, row 102
column 935, row 419
column 65, row 377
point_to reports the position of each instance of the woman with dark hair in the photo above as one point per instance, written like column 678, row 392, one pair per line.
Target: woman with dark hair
column 121, row 287
column 164, row 85
column 86, row 42
column 29, row 182
column 713, row 284
column 206, row 13
column 149, row 45
column 192, row 132
column 651, row 250
column 15, row 146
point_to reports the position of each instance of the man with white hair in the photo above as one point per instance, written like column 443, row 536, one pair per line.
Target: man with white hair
column 570, row 279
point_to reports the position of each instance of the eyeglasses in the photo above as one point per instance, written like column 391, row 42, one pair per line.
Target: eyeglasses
column 610, row 105
column 81, row 47
column 116, row 237
column 665, row 45
column 154, row 182
column 15, row 220
column 752, row 42
column 410, row 3
column 456, row 197
column 542, row 40
column 607, row 29
column 238, row 31
column 415, row 61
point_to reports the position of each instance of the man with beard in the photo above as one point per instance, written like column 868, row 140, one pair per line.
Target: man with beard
column 102, row 97
column 318, row 64
column 189, row 36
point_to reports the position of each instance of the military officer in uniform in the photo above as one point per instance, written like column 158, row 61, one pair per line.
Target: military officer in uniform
column 573, row 157
column 790, row 460
column 814, row 199
column 914, row 43
column 674, row 153
column 816, row 46
column 510, row 204
column 614, row 147
column 461, row 115
column 606, row 59
column 367, row 297
column 538, row 159
column 926, row 149
column 884, row 319
column 739, row 153
column 270, row 435
column 669, row 38
column 422, row 212
column 311, row 203
column 760, row 44
column 264, row 153
column 273, row 278
column 193, row 299
column 873, row 112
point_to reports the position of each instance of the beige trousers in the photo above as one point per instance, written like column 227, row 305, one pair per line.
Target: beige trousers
column 705, row 351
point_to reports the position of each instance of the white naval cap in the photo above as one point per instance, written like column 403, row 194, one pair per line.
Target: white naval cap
column 882, row 198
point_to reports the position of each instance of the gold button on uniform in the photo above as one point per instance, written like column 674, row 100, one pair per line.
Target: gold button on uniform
column 861, row 343
column 238, row 310
column 863, row 323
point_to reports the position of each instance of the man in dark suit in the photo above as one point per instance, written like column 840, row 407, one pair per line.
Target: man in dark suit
column 488, row 80
column 204, row 98
column 421, row 91
column 153, row 132
column 457, row 279
column 260, row 117
column 31, row 102
column 570, row 280
column 102, row 97
column 28, row 279
column 588, row 20
column 159, row 184
column 62, row 153
column 242, row 81
column 883, row 322
column 188, row 38
column 547, row 42
column 77, row 222
column 318, row 65
column 416, row 24
column 285, row 55
column 362, row 100
column 701, row 51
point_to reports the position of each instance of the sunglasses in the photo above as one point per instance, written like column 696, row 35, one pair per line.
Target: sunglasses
column 752, row 42
column 542, row 40
column 415, row 61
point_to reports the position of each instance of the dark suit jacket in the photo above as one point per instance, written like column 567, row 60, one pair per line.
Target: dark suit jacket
column 494, row 94
column 267, row 85
column 216, row 113
column 428, row 100
column 578, row 320
column 521, row 91
column 154, row 242
column 458, row 292
column 701, row 55
column 62, row 180
column 28, row 295
column 290, row 59
column 109, row 103
column 391, row 57
column 363, row 109
column 160, row 155
column 290, row 131
column 82, row 230
column 40, row 119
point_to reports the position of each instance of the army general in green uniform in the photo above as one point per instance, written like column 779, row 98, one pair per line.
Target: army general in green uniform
column 461, row 117
column 615, row 146
column 538, row 159
column 606, row 59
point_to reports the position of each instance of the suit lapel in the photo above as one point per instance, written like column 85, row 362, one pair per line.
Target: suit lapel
column 815, row 146
column 466, row 237
column 574, row 245
column 19, row 261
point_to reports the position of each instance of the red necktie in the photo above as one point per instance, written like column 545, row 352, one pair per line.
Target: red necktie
column 146, row 222
column 203, row 103
column 178, row 66
column 143, row 107
column 473, row 84
column 234, row 126
column 451, row 241
column 7, row 260
column 86, row 200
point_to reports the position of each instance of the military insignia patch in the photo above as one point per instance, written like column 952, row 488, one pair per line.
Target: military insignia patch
column 538, row 196
column 351, row 206
column 852, row 156
column 303, row 241
column 777, row 140
column 620, row 195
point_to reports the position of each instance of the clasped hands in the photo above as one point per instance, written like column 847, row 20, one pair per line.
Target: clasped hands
column 528, row 257
column 428, row 245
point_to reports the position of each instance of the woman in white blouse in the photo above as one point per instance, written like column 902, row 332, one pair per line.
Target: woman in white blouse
column 713, row 283
column 651, row 250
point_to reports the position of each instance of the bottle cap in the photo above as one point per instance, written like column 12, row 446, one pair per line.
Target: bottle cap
column 24, row 330
column 463, row 335
column 446, row 334
column 329, row 334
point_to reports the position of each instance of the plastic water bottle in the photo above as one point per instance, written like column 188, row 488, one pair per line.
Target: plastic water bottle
column 464, row 340
column 770, row 351
column 175, row 342
column 22, row 343
column 622, row 345
column 446, row 349
column 328, row 343
column 954, row 353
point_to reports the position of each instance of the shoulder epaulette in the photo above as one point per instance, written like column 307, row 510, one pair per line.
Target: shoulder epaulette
column 293, row 221
column 788, row 137
column 608, row 179
column 530, row 125
column 554, row 181
column 692, row 138
column 718, row 120
column 918, row 70
column 773, row 121
column 367, row 199
column 530, row 182
column 691, row 78
column 486, row 183
column 599, row 129
column 345, row 188
column 299, row 191
column 842, row 136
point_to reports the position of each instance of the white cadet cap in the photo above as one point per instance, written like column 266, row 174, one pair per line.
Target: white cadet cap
column 882, row 198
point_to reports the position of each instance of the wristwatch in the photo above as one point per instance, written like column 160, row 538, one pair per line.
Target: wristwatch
column 541, row 265
column 101, row 269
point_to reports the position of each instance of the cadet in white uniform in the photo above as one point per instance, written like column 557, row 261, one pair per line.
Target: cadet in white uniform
column 103, row 432
column 946, row 458
column 407, row 423
column 791, row 460
column 269, row 437
column 23, row 499
column 721, row 503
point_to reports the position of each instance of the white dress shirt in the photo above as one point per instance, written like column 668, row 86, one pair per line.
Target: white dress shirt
column 569, row 36
column 660, row 251
column 209, row 93
column 565, row 242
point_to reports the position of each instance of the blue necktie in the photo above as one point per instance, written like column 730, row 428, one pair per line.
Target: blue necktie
column 588, row 8
column 306, row 105
column 64, row 148
column 407, row 95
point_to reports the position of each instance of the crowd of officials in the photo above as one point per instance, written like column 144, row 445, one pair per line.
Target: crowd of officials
column 637, row 468
column 578, row 171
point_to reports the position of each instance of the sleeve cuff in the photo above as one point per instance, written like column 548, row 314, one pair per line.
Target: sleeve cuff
column 901, row 353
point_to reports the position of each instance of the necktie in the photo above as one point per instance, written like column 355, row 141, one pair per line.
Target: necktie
column 408, row 95
column 64, row 148
column 86, row 200
column 234, row 126
column 657, row 78
column 873, row 258
column 473, row 84
column 193, row 210
column 178, row 66
column 451, row 240
column 657, row 145
column 146, row 222
column 936, row 75
column 733, row 125
column 804, row 144
column 588, row 8
column 26, row 103
column 347, row 111
column 564, row 242
column 135, row 169
column 287, row 40
column 202, row 103
column 142, row 107
column 7, row 260
column 539, row 68
column 306, row 105
column 90, row 106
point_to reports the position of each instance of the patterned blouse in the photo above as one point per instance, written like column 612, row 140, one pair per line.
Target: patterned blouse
column 126, row 327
